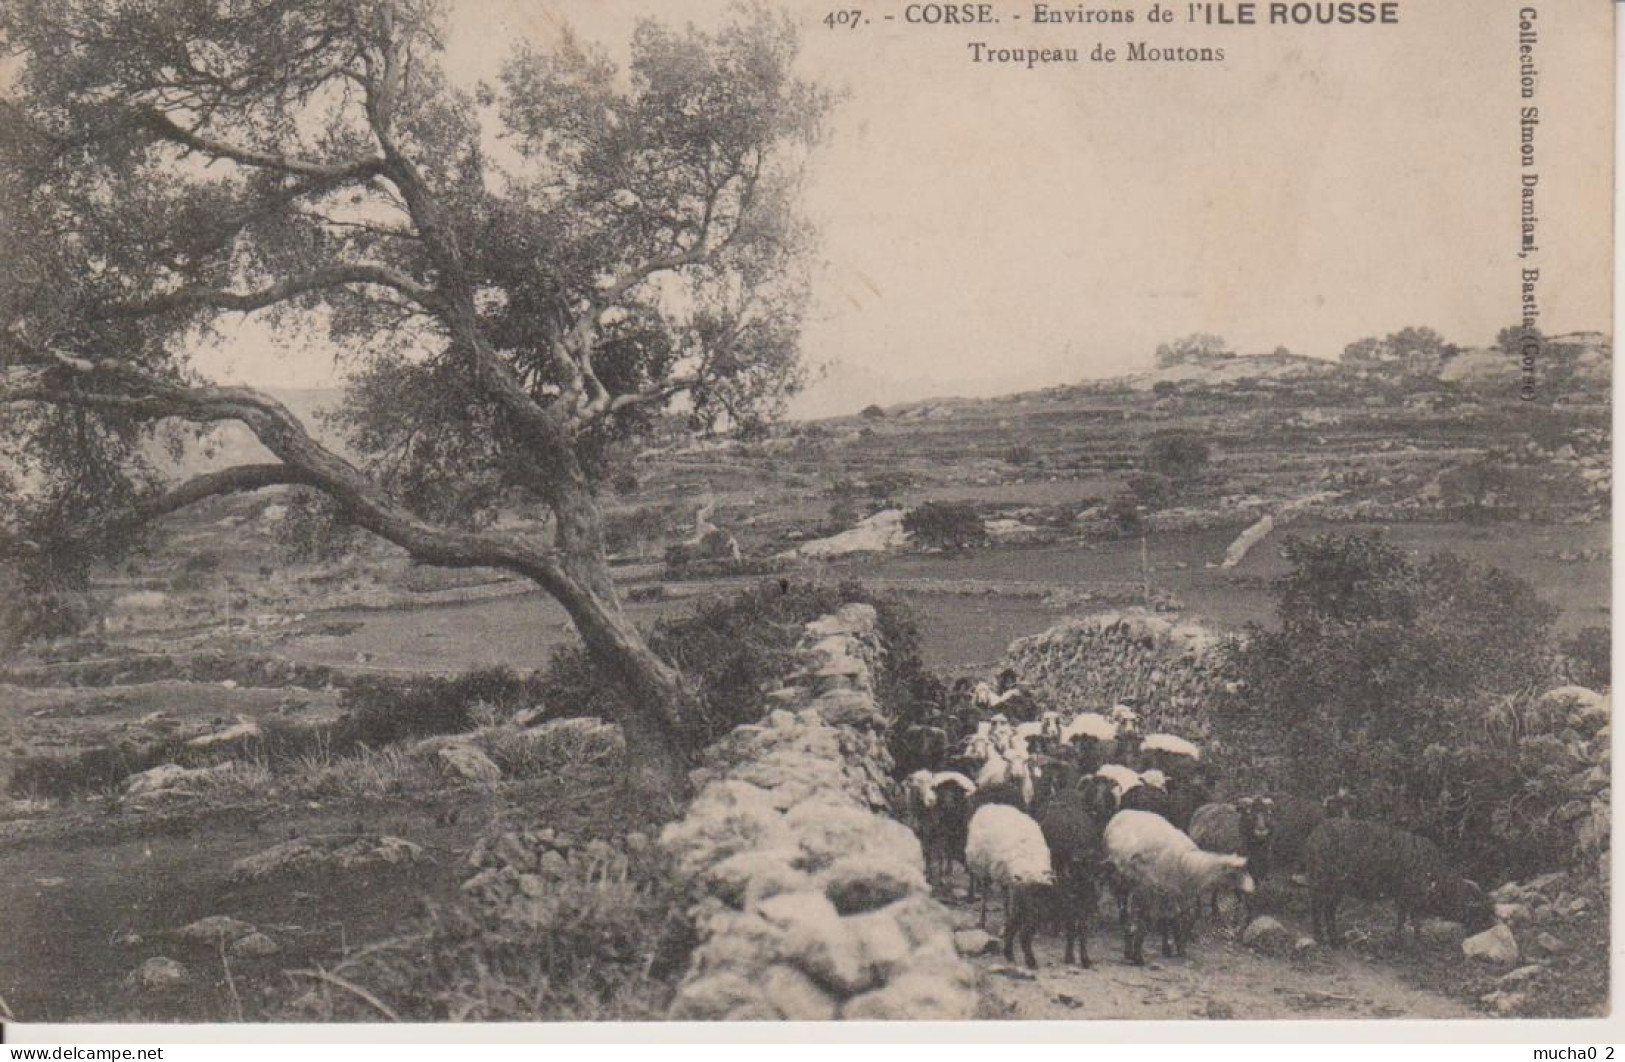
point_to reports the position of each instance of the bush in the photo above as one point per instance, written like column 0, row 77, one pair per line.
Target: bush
column 734, row 649
column 1180, row 456
column 380, row 711
column 873, row 412
column 945, row 525
column 1021, row 455
column 1409, row 682
column 1588, row 656
column 1127, row 512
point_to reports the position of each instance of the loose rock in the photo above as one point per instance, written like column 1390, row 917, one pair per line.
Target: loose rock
column 1496, row 945
column 157, row 974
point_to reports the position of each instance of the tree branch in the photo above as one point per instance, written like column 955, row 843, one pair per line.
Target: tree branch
column 281, row 291
column 167, row 129
column 68, row 380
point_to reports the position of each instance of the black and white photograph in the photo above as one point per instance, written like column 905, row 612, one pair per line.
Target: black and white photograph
column 648, row 511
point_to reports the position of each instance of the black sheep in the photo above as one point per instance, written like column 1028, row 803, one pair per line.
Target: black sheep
column 1374, row 861
column 945, row 827
column 1077, row 856
column 1244, row 828
column 1296, row 818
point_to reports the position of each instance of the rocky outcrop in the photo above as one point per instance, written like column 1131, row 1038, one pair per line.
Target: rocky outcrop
column 810, row 901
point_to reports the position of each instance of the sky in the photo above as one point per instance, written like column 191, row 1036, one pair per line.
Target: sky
column 989, row 228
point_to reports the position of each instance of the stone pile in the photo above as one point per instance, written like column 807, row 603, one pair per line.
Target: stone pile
column 809, row 901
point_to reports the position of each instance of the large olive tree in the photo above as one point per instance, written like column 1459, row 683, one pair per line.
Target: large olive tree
column 514, row 277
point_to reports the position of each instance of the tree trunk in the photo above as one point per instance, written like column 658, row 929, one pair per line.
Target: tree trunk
column 656, row 718
column 655, row 711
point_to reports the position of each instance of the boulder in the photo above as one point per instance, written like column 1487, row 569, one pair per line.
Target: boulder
column 795, row 996
column 817, row 941
column 1267, row 934
column 848, row 707
column 1522, row 973
column 1504, row 1002
column 868, row 880
column 1512, row 913
column 914, row 997
column 1547, row 944
column 255, row 946
column 278, row 858
column 1495, row 945
column 246, row 730
column 751, row 877
column 1442, row 931
column 467, row 763
column 157, row 974
column 169, row 779
column 727, row 818
column 975, row 942
column 724, row 996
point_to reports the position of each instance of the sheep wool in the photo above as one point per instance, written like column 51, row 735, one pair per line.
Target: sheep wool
column 1173, row 744
column 1089, row 725
column 1007, row 846
column 922, row 788
column 1122, row 777
column 1157, row 856
column 942, row 778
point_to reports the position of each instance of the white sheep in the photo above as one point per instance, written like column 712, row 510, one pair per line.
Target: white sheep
column 1125, row 717
column 1027, row 731
column 983, row 696
column 1123, row 777
column 1166, row 876
column 1091, row 725
column 1006, row 846
column 1172, row 744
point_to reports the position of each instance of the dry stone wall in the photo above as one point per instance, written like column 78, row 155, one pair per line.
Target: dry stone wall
column 813, row 903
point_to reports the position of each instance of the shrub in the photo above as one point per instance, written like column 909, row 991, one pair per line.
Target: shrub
column 888, row 485
column 873, row 412
column 1021, row 455
column 1180, row 456
column 1407, row 681
column 735, row 649
column 382, row 710
column 1126, row 511
column 1588, row 656
column 945, row 525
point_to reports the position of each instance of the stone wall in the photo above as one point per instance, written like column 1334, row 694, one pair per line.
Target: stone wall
column 812, row 902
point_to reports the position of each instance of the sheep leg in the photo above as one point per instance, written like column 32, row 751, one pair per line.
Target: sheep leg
column 1133, row 932
column 987, row 887
column 1021, row 923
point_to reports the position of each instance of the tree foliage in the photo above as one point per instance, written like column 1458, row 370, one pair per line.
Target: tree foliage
column 1196, row 347
column 945, row 525
column 516, row 277
column 1180, row 456
column 1382, row 673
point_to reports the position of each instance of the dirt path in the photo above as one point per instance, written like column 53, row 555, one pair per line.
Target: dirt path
column 1218, row 979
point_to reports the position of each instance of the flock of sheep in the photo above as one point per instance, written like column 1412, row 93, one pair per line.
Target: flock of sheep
column 1057, row 811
